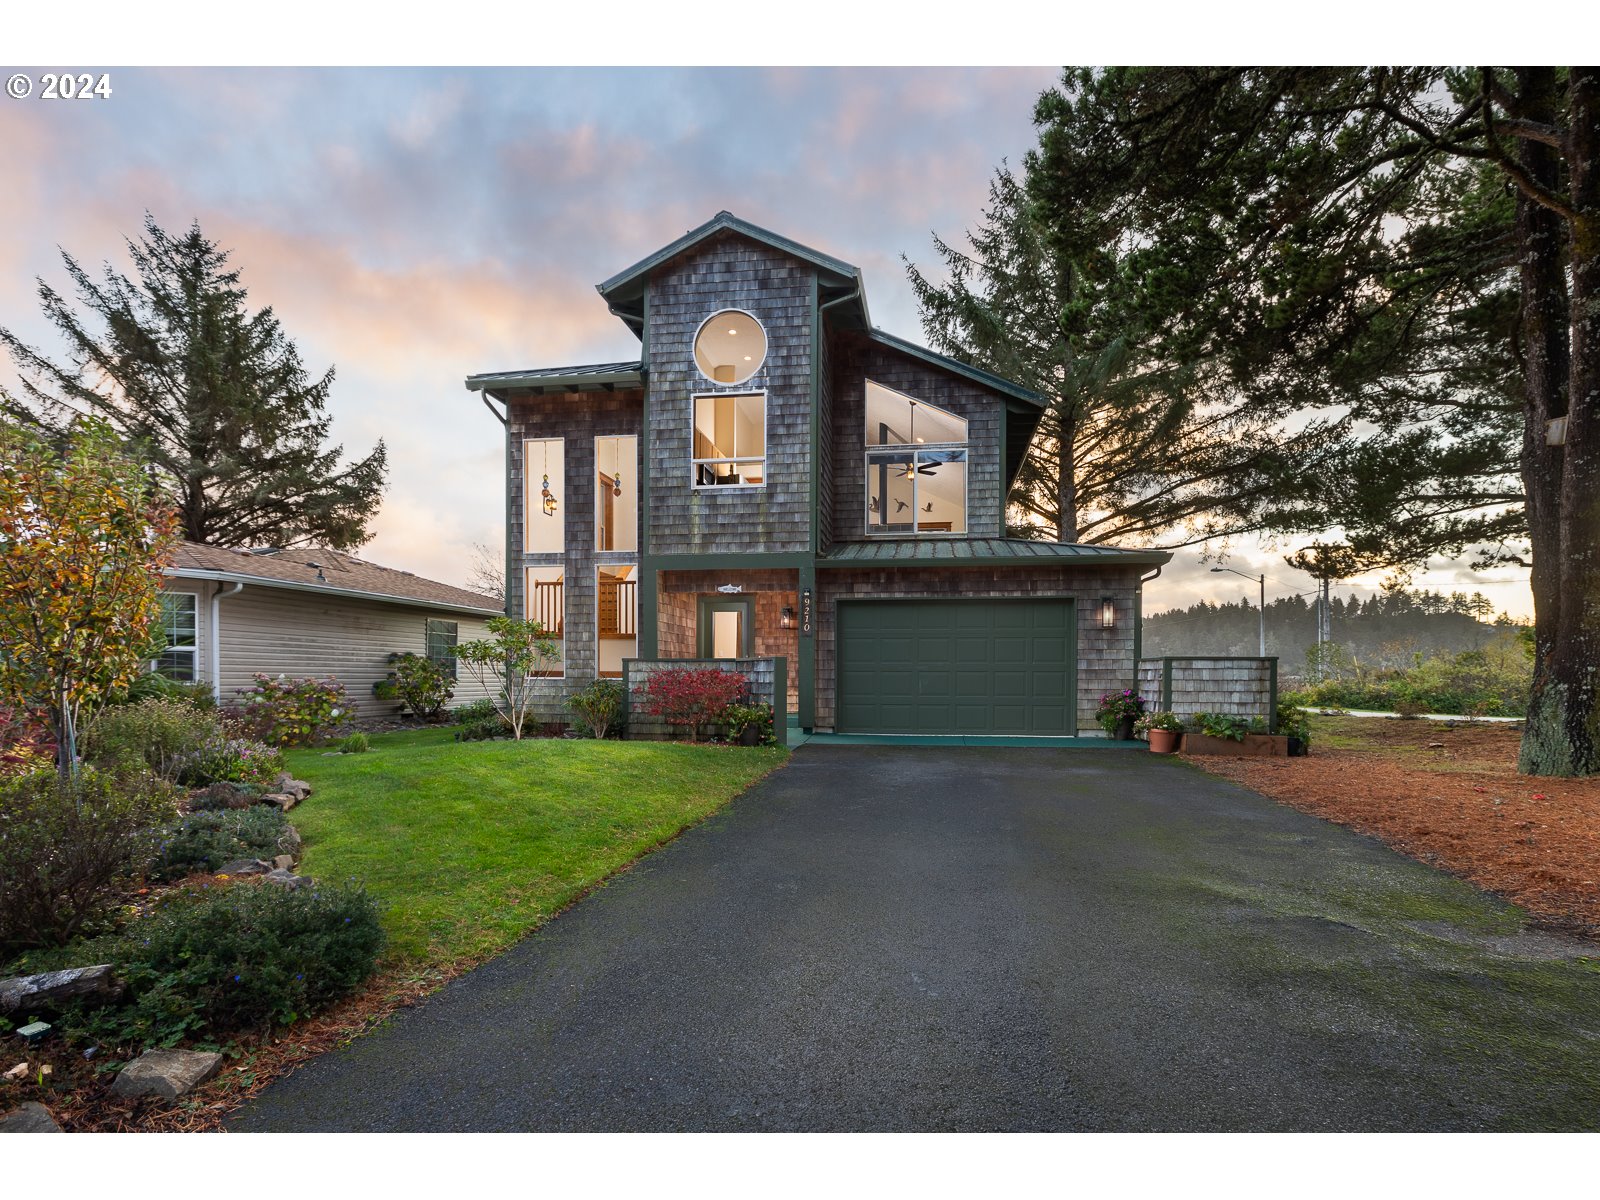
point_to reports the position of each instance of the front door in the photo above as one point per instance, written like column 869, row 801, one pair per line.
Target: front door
column 727, row 627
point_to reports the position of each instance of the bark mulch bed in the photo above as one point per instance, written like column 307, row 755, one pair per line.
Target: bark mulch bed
column 1452, row 798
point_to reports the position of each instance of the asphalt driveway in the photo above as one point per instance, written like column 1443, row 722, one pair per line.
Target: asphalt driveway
column 973, row 939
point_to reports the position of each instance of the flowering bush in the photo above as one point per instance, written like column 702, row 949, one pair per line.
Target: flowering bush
column 229, row 760
column 691, row 697
column 1159, row 720
column 1116, row 706
column 292, row 712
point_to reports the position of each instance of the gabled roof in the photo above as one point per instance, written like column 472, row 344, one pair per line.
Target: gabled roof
column 954, row 365
column 596, row 377
column 837, row 279
column 312, row 569
column 984, row 552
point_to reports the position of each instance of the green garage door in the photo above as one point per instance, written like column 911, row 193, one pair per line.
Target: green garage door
column 956, row 666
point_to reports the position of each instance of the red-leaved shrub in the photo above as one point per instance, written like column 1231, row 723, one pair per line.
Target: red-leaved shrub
column 691, row 697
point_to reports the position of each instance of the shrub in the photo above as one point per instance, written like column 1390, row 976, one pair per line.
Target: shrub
column 356, row 743
column 203, row 841
column 68, row 846
column 741, row 716
column 492, row 726
column 234, row 959
column 151, row 686
column 222, row 795
column 1224, row 725
column 230, row 760
column 598, row 706
column 292, row 712
column 691, row 697
column 156, row 733
column 422, row 685
column 1294, row 722
column 1115, row 706
column 471, row 714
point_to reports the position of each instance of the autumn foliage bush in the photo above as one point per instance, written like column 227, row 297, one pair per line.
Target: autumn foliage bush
column 691, row 697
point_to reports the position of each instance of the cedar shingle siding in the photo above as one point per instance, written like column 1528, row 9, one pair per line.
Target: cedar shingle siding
column 730, row 272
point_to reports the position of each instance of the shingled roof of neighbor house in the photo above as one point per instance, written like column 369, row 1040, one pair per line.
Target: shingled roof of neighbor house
column 313, row 569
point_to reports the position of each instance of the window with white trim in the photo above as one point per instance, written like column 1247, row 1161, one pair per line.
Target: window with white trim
column 545, row 601
column 180, row 624
column 730, row 440
column 919, row 486
column 544, row 491
column 441, row 642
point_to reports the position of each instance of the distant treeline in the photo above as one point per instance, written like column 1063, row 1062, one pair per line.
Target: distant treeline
column 1386, row 631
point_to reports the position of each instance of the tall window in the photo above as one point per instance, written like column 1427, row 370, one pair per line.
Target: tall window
column 180, row 624
column 919, row 486
column 544, row 492
column 546, row 603
column 617, row 606
column 730, row 440
column 616, row 493
column 442, row 644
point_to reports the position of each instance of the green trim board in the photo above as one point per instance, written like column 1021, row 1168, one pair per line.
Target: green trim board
column 806, row 654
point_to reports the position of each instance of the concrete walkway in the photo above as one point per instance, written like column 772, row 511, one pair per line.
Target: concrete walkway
column 970, row 939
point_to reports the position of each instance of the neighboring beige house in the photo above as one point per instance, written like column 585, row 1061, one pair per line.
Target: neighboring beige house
column 232, row 613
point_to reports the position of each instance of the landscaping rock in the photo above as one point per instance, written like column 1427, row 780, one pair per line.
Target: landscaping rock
column 289, row 841
column 52, row 987
column 166, row 1073
column 288, row 879
column 298, row 788
column 244, row 866
column 284, row 800
column 32, row 1117
column 20, row 1071
column 283, row 862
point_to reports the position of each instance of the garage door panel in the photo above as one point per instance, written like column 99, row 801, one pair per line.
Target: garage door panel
column 956, row 666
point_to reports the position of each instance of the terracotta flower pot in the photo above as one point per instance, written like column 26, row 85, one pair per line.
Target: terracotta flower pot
column 1164, row 741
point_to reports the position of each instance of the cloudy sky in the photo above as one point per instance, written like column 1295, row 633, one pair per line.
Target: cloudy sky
column 411, row 227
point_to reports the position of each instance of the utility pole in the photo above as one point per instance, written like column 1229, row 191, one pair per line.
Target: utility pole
column 1262, row 613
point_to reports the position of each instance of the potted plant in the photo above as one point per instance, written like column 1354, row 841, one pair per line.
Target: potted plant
column 1118, row 711
column 749, row 724
column 1162, row 730
column 1295, row 723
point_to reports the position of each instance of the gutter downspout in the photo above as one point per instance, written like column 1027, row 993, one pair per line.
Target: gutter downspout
column 216, row 638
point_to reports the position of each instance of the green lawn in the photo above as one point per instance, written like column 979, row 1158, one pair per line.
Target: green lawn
column 472, row 845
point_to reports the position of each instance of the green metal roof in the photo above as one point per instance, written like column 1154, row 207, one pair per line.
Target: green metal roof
column 982, row 552
column 624, row 291
column 596, row 377
column 977, row 374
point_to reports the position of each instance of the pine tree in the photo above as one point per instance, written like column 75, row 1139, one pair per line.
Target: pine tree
column 214, row 399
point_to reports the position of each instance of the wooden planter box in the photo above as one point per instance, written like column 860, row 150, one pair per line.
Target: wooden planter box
column 1255, row 745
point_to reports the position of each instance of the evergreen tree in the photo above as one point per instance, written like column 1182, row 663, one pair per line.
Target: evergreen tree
column 1415, row 249
column 214, row 399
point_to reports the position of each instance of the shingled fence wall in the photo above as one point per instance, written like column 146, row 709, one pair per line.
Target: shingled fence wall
column 1241, row 687
column 769, row 684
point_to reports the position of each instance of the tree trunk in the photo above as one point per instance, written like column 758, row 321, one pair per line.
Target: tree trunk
column 1563, row 729
column 1066, row 483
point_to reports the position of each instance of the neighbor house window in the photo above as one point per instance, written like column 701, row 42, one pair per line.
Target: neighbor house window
column 616, row 494
column 919, row 486
column 544, row 491
column 442, row 644
column 730, row 346
column 546, row 603
column 730, row 440
column 180, row 625
column 617, row 609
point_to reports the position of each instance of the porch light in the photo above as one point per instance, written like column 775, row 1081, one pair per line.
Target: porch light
column 1108, row 613
column 786, row 618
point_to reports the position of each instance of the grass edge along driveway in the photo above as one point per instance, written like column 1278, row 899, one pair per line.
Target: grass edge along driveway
column 471, row 846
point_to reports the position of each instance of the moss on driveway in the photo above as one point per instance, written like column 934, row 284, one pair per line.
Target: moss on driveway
column 472, row 845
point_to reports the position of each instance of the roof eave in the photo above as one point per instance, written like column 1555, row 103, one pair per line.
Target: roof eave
column 204, row 575
column 978, row 375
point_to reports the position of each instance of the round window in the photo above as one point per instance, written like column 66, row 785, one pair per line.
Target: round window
column 730, row 347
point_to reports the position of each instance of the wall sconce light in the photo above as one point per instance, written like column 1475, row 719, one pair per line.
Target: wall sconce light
column 786, row 618
column 1108, row 613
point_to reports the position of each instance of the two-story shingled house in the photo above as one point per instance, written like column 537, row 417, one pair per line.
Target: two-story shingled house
column 774, row 477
